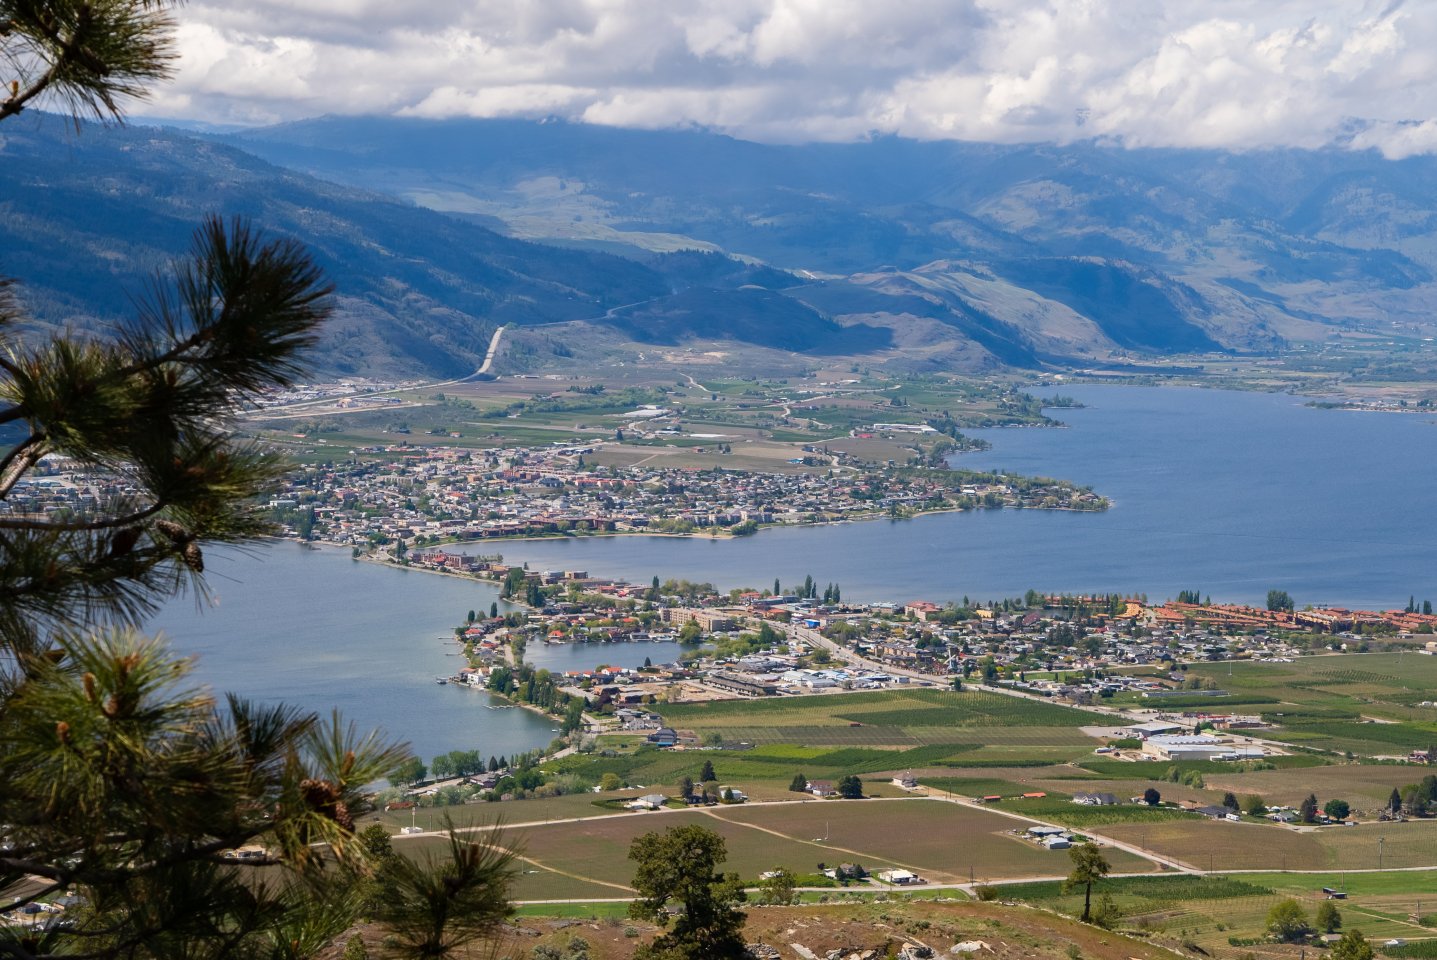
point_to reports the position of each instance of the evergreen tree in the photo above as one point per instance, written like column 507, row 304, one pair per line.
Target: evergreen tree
column 680, row 867
column 799, row 784
column 1307, row 812
column 706, row 775
column 123, row 782
column 1089, row 866
column 1287, row 921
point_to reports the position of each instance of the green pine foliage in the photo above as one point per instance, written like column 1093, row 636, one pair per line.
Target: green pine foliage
column 183, row 825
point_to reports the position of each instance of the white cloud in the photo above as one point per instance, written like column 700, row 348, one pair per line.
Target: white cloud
column 1220, row 73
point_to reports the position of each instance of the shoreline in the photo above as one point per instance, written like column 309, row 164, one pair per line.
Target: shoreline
column 384, row 560
column 716, row 534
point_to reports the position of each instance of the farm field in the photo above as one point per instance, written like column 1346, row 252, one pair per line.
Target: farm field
column 598, row 849
column 1365, row 786
column 1332, row 702
column 485, row 814
column 1212, row 845
column 932, row 710
column 1060, row 808
column 536, row 883
column 1410, row 844
column 941, row 841
column 1242, row 846
column 863, row 734
column 768, row 769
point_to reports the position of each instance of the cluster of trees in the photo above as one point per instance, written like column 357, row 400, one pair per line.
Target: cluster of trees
column 766, row 638
column 808, row 590
column 1279, row 600
column 1334, row 809
column 517, row 586
column 1189, row 777
column 1416, row 799
column 540, row 688
column 462, row 763
column 1288, row 922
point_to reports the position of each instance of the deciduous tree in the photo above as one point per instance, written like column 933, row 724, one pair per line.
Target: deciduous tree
column 1287, row 921
column 1352, row 946
column 778, row 887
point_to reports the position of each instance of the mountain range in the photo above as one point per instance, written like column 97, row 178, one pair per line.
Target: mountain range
column 940, row 254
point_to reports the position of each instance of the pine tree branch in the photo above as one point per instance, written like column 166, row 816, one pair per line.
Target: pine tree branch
column 19, row 461
column 15, row 103
column 81, row 526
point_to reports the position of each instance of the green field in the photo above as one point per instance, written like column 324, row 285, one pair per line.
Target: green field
column 1364, row 704
column 891, row 709
column 863, row 734
column 1059, row 808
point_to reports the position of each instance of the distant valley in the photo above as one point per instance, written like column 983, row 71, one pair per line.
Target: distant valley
column 595, row 244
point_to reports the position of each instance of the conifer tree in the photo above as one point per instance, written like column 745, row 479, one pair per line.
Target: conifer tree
column 123, row 782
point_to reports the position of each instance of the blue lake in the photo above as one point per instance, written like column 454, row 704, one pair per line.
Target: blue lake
column 1223, row 492
column 316, row 629
column 1229, row 494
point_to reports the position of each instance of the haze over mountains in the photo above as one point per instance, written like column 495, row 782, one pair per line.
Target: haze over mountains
column 956, row 255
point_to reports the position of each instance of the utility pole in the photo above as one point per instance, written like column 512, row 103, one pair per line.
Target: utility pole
column 1380, row 842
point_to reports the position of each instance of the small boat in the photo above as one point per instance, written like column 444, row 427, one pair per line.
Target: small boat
column 441, row 680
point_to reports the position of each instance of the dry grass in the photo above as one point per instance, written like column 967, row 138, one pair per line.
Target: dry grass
column 1011, row 933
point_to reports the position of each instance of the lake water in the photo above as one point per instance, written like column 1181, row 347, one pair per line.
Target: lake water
column 316, row 629
column 1227, row 493
column 1230, row 494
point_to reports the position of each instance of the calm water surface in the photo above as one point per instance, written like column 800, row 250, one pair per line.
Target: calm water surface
column 1227, row 493
column 1230, row 494
column 316, row 629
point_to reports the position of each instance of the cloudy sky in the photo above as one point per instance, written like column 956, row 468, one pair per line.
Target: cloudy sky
column 1219, row 73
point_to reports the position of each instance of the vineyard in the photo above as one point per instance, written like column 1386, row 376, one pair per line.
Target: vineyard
column 1370, row 709
column 888, row 710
